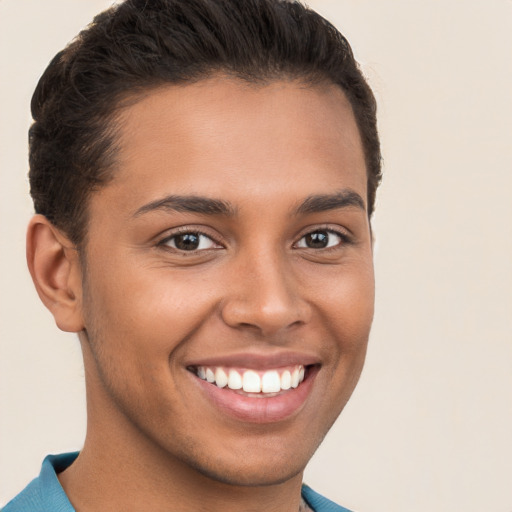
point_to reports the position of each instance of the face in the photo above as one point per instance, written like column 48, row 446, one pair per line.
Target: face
column 229, row 284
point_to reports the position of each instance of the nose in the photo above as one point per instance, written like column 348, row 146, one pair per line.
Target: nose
column 265, row 296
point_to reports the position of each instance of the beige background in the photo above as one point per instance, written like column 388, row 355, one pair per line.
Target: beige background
column 430, row 425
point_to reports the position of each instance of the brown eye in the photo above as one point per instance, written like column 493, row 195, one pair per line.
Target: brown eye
column 191, row 241
column 320, row 239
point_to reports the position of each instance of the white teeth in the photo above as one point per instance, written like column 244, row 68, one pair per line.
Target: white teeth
column 295, row 378
column 234, row 380
column 251, row 382
column 270, row 382
column 221, row 379
column 286, row 380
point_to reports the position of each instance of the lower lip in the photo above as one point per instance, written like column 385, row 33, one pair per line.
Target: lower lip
column 259, row 409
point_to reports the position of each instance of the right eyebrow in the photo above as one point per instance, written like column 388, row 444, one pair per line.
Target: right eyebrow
column 344, row 198
column 192, row 204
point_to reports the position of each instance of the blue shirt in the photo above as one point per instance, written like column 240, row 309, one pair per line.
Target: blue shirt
column 45, row 494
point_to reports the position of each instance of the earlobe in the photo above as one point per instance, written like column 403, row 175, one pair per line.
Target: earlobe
column 54, row 265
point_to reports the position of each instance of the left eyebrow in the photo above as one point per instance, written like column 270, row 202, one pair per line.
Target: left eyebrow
column 323, row 202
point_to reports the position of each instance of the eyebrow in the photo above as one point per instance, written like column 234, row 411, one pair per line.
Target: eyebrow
column 209, row 206
column 323, row 202
column 192, row 204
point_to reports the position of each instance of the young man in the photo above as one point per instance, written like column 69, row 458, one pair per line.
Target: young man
column 203, row 174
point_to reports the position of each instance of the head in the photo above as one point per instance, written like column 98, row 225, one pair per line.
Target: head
column 207, row 170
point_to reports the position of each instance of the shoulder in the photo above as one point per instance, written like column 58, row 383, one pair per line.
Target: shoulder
column 44, row 493
column 319, row 503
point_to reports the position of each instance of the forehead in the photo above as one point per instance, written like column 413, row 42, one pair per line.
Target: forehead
column 217, row 136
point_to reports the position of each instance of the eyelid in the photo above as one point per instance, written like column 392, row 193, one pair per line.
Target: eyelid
column 183, row 230
column 344, row 234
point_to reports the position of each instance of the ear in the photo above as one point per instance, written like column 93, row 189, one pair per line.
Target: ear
column 54, row 265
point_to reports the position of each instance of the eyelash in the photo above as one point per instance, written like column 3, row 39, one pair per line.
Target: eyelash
column 345, row 239
column 164, row 243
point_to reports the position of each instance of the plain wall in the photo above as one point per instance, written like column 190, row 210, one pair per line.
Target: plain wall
column 430, row 424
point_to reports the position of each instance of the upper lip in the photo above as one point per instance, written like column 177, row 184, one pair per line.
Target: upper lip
column 257, row 361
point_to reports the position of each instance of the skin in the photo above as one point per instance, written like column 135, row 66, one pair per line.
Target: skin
column 145, row 310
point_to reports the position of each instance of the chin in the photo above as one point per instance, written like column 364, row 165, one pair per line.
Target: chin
column 258, row 463
column 251, row 475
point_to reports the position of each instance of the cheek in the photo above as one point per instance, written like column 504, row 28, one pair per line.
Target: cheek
column 144, row 314
column 349, row 302
column 350, row 306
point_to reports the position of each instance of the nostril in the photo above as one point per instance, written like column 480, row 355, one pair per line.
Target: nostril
column 267, row 319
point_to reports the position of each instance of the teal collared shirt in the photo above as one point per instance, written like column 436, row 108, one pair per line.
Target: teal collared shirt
column 45, row 494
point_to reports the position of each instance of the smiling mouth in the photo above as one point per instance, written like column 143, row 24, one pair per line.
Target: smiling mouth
column 251, row 382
